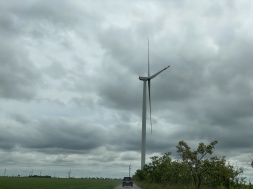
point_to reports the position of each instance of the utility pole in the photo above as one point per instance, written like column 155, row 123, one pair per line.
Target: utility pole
column 129, row 169
column 69, row 173
column 4, row 172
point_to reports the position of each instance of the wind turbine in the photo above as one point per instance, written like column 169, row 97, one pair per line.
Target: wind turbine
column 145, row 79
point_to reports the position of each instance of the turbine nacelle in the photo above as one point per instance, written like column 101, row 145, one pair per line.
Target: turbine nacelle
column 143, row 78
column 152, row 76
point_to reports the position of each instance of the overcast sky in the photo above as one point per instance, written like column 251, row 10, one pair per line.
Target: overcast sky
column 70, row 94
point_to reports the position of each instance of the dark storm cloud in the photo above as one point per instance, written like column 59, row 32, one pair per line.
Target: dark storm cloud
column 125, row 138
column 67, row 135
column 26, row 25
column 42, row 15
column 54, row 136
column 18, row 75
column 9, row 24
column 121, row 95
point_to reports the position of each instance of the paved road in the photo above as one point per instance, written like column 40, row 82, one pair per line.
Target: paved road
column 128, row 187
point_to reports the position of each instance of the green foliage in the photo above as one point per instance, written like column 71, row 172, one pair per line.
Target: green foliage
column 56, row 183
column 196, row 169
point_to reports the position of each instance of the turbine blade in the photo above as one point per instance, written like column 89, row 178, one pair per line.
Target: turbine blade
column 153, row 76
column 149, row 85
column 148, row 58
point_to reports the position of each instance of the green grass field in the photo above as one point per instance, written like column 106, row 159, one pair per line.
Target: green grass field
column 56, row 183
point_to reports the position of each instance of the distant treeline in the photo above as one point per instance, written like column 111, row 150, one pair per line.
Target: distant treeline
column 38, row 176
column 100, row 178
column 48, row 176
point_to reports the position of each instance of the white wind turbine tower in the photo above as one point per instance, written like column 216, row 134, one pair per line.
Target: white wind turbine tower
column 145, row 79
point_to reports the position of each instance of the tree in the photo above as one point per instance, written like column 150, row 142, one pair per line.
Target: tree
column 196, row 167
column 194, row 160
column 158, row 168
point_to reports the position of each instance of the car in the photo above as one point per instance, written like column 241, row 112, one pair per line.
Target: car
column 127, row 181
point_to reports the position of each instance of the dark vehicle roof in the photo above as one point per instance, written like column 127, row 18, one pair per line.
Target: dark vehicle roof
column 127, row 178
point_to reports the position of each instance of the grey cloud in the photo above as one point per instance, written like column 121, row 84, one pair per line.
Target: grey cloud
column 54, row 136
column 124, row 138
column 36, row 10
column 18, row 77
column 65, row 135
column 19, row 118
column 55, row 70
column 7, row 137
column 92, row 69
column 9, row 24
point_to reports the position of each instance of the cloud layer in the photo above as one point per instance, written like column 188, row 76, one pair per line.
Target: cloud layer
column 70, row 94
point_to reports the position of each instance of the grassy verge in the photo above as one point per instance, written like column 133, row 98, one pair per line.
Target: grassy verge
column 56, row 183
column 162, row 186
